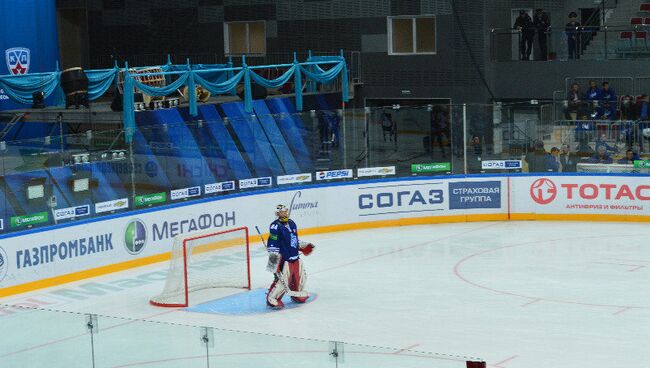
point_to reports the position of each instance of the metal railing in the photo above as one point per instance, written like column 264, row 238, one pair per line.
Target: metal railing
column 605, row 42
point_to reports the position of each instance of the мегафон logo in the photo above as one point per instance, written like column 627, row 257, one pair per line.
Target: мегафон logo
column 135, row 236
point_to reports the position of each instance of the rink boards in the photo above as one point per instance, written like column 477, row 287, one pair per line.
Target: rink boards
column 45, row 257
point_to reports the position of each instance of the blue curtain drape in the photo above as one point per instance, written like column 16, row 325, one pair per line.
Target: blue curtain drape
column 21, row 87
column 213, row 77
column 100, row 80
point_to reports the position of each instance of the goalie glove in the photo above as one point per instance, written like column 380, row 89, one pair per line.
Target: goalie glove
column 274, row 261
column 306, row 248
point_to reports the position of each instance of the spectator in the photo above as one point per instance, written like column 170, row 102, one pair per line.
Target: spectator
column 568, row 159
column 593, row 93
column 324, row 129
column 642, row 108
column 439, row 127
column 630, row 157
column 481, row 125
column 333, row 124
column 628, row 109
column 601, row 156
column 574, row 102
column 553, row 164
column 606, row 111
column 524, row 24
column 607, row 93
column 584, row 129
column 539, row 160
column 474, row 156
column 388, row 126
column 602, row 141
column 584, row 150
column 543, row 25
column 573, row 36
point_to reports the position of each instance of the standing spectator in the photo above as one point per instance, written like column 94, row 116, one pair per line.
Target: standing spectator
column 388, row 126
column 573, row 36
column 334, row 124
column 542, row 24
column 584, row 129
column 593, row 93
column 439, row 127
column 524, row 24
column 474, row 160
column 539, row 160
column 642, row 111
column 630, row 157
column 568, row 159
column 642, row 108
column 481, row 124
column 324, row 129
column 574, row 102
column 553, row 164
column 601, row 156
column 628, row 109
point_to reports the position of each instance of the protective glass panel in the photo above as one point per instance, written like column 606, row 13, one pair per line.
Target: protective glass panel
column 133, row 343
column 41, row 338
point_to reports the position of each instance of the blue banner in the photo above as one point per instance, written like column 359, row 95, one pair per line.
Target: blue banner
column 28, row 40
column 480, row 194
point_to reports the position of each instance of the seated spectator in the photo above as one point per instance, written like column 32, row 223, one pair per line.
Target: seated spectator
column 539, row 160
column 630, row 157
column 606, row 110
column 568, row 159
column 553, row 164
column 608, row 94
column 601, row 156
column 602, row 142
column 573, row 103
column 584, row 149
column 593, row 93
column 628, row 109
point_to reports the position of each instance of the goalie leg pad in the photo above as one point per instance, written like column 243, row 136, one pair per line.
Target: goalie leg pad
column 277, row 289
column 298, row 280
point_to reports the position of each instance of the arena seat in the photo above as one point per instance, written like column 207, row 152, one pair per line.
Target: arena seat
column 645, row 7
column 636, row 21
column 625, row 35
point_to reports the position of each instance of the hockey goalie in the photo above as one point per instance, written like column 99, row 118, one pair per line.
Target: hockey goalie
column 284, row 249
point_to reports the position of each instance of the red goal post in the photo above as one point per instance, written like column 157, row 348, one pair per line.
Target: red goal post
column 203, row 260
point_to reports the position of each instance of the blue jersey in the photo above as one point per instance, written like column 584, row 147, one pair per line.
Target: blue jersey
column 283, row 239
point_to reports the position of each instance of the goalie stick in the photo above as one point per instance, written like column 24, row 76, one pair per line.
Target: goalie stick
column 280, row 276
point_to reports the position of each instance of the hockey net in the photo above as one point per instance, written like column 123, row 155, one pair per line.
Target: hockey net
column 202, row 260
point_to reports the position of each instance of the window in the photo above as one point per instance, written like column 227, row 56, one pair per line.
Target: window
column 245, row 38
column 409, row 35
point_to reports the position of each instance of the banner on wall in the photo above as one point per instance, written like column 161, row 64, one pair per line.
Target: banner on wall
column 29, row 40
column 78, row 247
column 581, row 195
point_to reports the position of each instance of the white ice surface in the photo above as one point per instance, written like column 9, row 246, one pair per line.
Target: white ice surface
column 517, row 294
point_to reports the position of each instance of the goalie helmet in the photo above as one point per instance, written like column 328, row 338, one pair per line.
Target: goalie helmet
column 282, row 212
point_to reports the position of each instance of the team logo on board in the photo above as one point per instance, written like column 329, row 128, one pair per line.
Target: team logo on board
column 543, row 191
column 4, row 264
column 135, row 236
column 17, row 60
